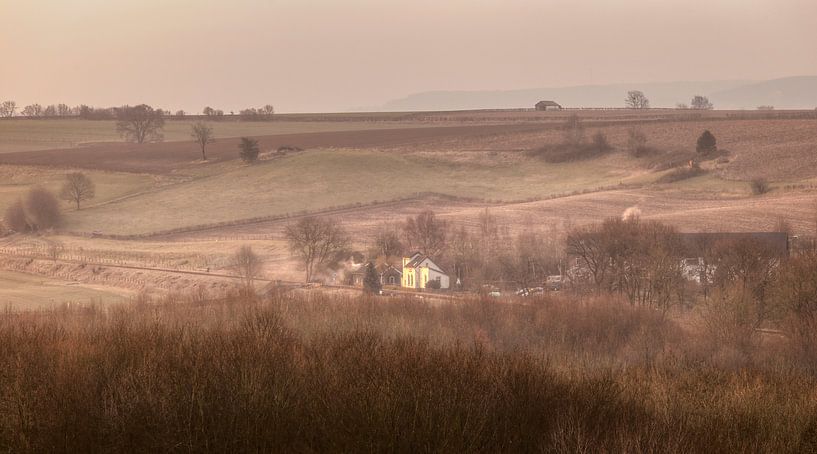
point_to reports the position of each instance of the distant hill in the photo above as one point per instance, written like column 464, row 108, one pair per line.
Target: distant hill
column 787, row 93
column 792, row 92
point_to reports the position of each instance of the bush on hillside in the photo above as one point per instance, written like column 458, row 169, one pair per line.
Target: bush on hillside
column 706, row 143
column 759, row 186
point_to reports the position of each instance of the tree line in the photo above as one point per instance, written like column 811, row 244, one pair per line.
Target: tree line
column 10, row 108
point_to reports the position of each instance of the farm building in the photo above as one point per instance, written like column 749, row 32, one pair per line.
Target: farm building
column 420, row 271
column 698, row 249
column 388, row 275
column 548, row 105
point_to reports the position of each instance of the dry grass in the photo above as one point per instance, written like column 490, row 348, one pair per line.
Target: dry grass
column 319, row 374
column 29, row 135
column 315, row 180
column 27, row 292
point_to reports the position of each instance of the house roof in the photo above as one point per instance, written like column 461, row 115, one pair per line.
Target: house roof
column 418, row 259
column 548, row 103
column 696, row 243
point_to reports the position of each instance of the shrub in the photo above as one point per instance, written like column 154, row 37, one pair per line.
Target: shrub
column 600, row 142
column 706, row 143
column 15, row 217
column 637, row 142
column 759, row 186
column 42, row 209
column 681, row 173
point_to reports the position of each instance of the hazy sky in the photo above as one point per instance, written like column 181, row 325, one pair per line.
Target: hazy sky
column 318, row 55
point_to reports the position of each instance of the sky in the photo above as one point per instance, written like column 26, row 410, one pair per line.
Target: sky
column 333, row 55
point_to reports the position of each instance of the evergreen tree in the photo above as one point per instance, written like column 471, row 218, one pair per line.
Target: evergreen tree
column 707, row 142
column 371, row 281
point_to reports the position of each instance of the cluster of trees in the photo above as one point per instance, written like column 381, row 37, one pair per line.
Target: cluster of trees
column 261, row 113
column 639, row 259
column 318, row 243
column 39, row 210
column 698, row 103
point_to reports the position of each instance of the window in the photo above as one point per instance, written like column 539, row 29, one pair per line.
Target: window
column 391, row 279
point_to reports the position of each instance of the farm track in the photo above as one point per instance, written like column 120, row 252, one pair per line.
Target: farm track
column 285, row 283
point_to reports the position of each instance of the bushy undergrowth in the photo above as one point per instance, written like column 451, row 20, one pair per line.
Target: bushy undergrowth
column 312, row 373
column 680, row 174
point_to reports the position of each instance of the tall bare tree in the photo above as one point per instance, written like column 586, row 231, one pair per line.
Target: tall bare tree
column 63, row 110
column 140, row 123
column 203, row 135
column 636, row 100
column 573, row 130
column 247, row 264
column 77, row 188
column 426, row 232
column 315, row 241
column 8, row 108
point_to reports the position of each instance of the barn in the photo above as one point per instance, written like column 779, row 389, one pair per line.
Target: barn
column 548, row 105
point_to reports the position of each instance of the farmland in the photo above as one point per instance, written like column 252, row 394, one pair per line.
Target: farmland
column 163, row 210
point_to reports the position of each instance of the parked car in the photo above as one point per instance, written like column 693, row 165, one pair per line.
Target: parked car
column 554, row 283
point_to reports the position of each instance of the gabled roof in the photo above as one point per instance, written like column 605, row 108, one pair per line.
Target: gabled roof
column 695, row 243
column 418, row 258
column 548, row 103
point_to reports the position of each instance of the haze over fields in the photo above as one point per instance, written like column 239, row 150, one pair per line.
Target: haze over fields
column 327, row 55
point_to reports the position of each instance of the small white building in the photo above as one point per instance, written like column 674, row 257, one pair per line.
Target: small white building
column 419, row 270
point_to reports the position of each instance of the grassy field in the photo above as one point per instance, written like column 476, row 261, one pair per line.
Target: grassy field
column 321, row 179
column 29, row 292
column 26, row 135
column 16, row 180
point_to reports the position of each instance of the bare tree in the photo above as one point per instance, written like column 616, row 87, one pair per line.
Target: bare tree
column 315, row 241
column 426, row 233
column 63, row 110
column 203, row 135
column 55, row 249
column 247, row 264
column 636, row 142
column 77, row 188
column 140, row 123
column 386, row 242
column 33, row 110
column 573, row 130
column 636, row 100
column 208, row 111
column 267, row 110
column 701, row 103
column 50, row 111
column 8, row 108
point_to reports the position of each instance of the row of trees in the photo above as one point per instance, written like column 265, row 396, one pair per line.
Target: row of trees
column 636, row 99
column 10, row 109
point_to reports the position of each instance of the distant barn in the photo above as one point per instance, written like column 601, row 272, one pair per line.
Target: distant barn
column 548, row 105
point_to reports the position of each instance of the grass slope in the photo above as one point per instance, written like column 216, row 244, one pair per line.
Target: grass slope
column 322, row 179
column 16, row 180
column 27, row 292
